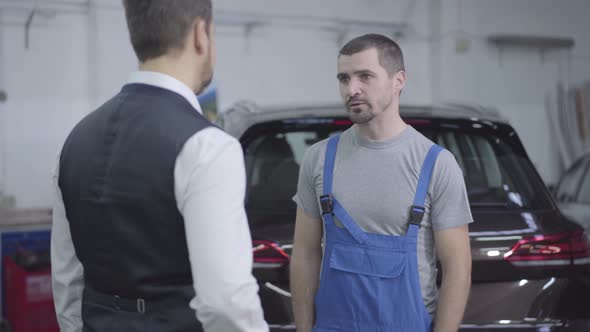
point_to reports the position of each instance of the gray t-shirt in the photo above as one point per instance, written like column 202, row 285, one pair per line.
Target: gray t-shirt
column 376, row 181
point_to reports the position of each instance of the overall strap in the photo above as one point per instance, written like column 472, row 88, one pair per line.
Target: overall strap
column 330, row 206
column 417, row 210
column 329, row 163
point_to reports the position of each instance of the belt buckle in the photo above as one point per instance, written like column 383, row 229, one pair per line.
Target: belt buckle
column 141, row 306
column 117, row 302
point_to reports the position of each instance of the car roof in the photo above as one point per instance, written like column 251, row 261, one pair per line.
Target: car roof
column 244, row 114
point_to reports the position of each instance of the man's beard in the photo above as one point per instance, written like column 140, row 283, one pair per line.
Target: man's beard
column 358, row 114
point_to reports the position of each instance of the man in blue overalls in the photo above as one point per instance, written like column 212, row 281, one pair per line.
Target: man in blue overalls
column 384, row 201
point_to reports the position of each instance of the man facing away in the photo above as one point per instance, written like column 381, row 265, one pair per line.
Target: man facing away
column 149, row 228
column 375, row 206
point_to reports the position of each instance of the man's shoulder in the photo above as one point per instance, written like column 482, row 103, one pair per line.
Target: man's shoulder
column 210, row 146
column 423, row 144
column 213, row 138
column 420, row 141
column 317, row 150
column 445, row 164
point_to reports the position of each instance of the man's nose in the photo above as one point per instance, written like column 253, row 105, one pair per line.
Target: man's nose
column 353, row 88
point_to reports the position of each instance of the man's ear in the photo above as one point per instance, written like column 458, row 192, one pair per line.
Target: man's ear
column 399, row 80
column 201, row 36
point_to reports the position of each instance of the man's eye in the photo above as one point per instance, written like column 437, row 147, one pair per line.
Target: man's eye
column 344, row 80
column 365, row 77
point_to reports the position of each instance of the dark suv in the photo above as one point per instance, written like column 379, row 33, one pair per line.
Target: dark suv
column 531, row 266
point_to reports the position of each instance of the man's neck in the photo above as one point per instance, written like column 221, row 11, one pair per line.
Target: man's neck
column 383, row 127
column 174, row 68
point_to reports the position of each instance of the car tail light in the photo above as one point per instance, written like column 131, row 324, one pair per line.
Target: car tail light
column 342, row 122
column 551, row 250
column 268, row 255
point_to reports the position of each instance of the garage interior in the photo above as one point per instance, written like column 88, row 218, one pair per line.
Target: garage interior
column 526, row 62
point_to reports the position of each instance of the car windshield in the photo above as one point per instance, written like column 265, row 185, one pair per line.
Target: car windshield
column 497, row 172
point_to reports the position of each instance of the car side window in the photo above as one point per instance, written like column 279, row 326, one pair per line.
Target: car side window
column 567, row 188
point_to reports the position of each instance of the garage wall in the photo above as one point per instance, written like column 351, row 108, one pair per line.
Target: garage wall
column 516, row 81
column 279, row 65
column 90, row 53
column 47, row 93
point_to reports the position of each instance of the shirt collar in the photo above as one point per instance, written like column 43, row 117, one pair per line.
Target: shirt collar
column 167, row 82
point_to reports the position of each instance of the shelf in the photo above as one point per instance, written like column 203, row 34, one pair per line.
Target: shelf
column 537, row 42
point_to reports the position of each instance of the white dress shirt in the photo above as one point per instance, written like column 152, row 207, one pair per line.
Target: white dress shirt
column 209, row 187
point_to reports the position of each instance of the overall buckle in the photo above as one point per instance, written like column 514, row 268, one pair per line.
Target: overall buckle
column 416, row 214
column 327, row 204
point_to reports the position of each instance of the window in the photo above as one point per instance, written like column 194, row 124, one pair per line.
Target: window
column 495, row 175
column 497, row 172
column 273, row 155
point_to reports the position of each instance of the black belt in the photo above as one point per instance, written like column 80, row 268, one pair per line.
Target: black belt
column 138, row 305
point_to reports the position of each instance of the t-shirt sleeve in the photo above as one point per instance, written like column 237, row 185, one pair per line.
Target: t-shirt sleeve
column 307, row 196
column 449, row 203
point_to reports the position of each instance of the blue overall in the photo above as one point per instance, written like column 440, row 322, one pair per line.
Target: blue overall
column 370, row 282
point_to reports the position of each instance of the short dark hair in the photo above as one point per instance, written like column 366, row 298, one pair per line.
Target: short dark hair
column 158, row 26
column 390, row 54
